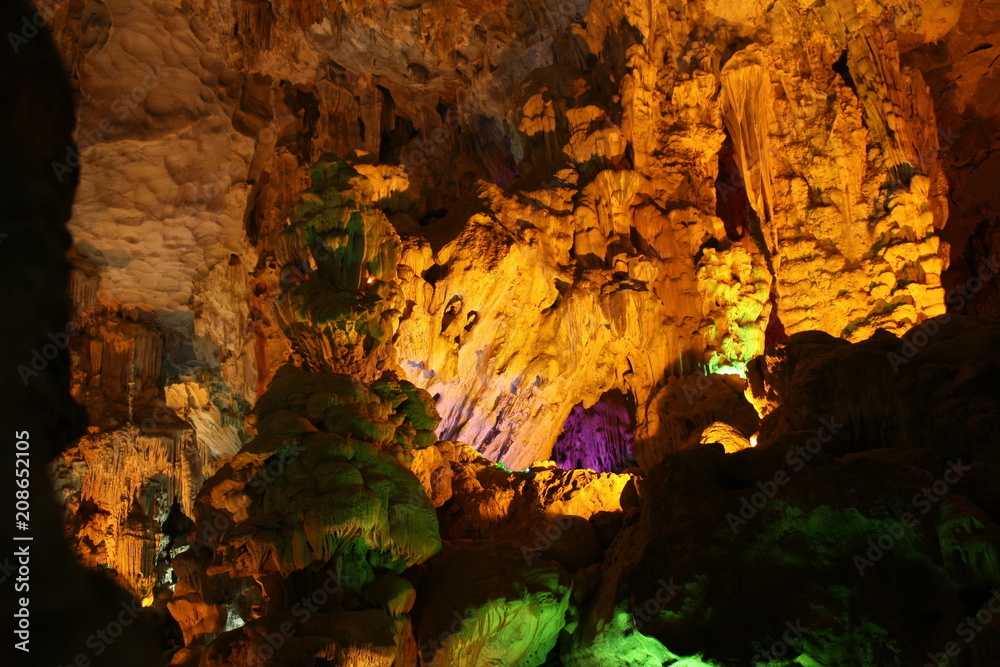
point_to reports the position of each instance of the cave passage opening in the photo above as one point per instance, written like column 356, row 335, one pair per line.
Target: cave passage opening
column 599, row 437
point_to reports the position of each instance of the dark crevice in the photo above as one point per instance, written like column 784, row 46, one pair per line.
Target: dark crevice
column 394, row 131
column 433, row 274
column 731, row 201
column 841, row 68
column 393, row 140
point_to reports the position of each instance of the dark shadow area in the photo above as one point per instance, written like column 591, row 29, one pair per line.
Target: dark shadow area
column 59, row 612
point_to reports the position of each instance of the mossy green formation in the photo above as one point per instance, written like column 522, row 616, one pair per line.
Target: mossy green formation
column 340, row 297
column 388, row 411
column 343, row 499
column 416, row 406
column 324, row 480
column 618, row 642
column 746, row 557
column 349, row 238
column 481, row 603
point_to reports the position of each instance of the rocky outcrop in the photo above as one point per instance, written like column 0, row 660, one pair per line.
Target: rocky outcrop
column 692, row 410
column 567, row 516
column 150, row 444
column 930, row 388
column 956, row 67
column 492, row 607
column 799, row 548
column 319, row 503
column 341, row 302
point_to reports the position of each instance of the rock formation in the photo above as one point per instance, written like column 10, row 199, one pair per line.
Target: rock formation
column 366, row 297
column 320, row 495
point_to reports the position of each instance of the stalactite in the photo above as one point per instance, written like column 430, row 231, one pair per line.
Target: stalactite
column 746, row 102
column 254, row 20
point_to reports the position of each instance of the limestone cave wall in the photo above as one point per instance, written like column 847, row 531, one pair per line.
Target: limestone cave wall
column 372, row 297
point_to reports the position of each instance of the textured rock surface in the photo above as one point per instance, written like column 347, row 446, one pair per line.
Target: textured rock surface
column 957, row 67
column 840, row 503
column 685, row 413
column 565, row 516
column 525, row 209
column 587, row 149
column 486, row 605
column 321, row 490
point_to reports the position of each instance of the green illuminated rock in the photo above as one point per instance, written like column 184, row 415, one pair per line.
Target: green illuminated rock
column 323, row 486
column 709, row 577
column 387, row 411
column 482, row 603
column 339, row 639
column 340, row 300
